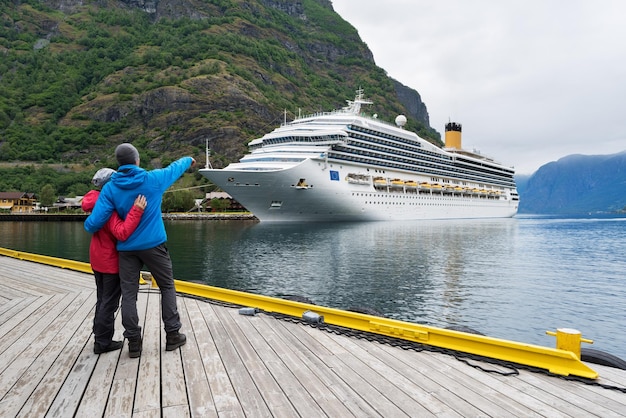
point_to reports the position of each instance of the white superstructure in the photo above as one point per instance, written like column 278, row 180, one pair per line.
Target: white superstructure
column 344, row 166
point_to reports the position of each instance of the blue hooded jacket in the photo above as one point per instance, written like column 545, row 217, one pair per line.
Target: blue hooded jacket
column 119, row 195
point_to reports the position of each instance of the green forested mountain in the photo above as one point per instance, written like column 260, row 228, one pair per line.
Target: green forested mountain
column 77, row 77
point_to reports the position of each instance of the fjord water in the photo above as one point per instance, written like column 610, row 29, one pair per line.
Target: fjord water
column 507, row 278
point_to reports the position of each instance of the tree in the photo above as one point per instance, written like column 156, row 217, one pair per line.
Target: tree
column 48, row 195
column 179, row 201
column 219, row 205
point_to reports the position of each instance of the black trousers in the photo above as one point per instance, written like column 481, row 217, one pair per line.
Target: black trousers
column 158, row 262
column 108, row 293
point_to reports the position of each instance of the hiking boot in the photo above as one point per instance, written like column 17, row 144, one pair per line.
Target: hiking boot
column 173, row 340
column 114, row 345
column 134, row 348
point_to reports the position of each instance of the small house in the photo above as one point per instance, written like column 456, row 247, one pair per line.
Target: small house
column 17, row 202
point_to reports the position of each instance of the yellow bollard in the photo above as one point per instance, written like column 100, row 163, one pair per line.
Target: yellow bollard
column 569, row 339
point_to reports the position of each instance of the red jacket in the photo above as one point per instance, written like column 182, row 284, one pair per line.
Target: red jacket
column 102, row 252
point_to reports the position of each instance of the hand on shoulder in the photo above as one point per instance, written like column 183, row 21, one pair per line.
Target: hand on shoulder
column 141, row 202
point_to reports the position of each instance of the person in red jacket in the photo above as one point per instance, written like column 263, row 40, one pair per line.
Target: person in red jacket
column 105, row 262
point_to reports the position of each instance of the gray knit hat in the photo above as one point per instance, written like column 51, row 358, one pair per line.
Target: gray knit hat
column 126, row 154
column 102, row 176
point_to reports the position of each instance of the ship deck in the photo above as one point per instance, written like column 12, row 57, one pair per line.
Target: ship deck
column 236, row 365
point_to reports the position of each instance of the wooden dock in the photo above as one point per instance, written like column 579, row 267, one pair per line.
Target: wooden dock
column 245, row 366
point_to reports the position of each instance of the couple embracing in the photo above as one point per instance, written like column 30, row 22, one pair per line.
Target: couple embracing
column 127, row 211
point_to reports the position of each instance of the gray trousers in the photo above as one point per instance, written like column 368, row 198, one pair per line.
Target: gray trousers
column 158, row 262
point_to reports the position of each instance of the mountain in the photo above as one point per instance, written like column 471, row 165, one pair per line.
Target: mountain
column 78, row 77
column 521, row 180
column 576, row 184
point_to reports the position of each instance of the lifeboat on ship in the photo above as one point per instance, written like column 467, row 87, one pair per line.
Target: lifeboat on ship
column 397, row 183
column 358, row 178
column 425, row 186
column 380, row 182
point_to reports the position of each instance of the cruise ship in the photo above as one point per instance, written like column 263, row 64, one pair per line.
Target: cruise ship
column 346, row 166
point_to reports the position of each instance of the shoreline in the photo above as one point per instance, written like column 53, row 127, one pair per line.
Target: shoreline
column 74, row 217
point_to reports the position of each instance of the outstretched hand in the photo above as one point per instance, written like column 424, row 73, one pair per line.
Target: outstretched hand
column 141, row 202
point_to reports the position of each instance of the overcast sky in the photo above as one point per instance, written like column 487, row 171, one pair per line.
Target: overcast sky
column 531, row 81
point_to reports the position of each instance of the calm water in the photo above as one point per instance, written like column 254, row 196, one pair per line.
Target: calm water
column 510, row 278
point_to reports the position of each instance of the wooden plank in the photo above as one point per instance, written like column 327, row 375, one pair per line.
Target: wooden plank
column 416, row 385
column 442, row 374
column 567, row 395
column 9, row 293
column 308, row 350
column 122, row 395
column 604, row 398
column 175, row 381
column 266, row 372
column 512, row 387
column 334, row 357
column 16, row 307
column 382, row 394
column 201, row 363
column 613, row 378
column 21, row 319
column 98, row 387
column 22, row 288
column 7, row 305
column 30, row 342
column 403, row 361
column 49, row 279
column 150, row 413
column 70, row 394
column 297, row 378
column 148, row 392
column 12, row 289
column 610, row 375
column 248, row 394
column 174, row 393
column 179, row 411
column 70, row 333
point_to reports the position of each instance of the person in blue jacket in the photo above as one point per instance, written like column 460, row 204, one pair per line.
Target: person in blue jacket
column 146, row 245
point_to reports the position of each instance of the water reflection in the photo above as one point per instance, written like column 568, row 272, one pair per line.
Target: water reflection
column 396, row 268
column 56, row 239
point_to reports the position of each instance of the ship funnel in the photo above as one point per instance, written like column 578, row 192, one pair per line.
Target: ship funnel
column 453, row 135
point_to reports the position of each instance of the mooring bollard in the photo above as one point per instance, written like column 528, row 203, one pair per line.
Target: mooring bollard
column 313, row 318
column 569, row 339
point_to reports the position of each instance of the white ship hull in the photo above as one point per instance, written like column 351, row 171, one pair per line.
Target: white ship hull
column 328, row 195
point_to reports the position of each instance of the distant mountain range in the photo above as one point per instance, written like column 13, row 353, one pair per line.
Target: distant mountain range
column 576, row 185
